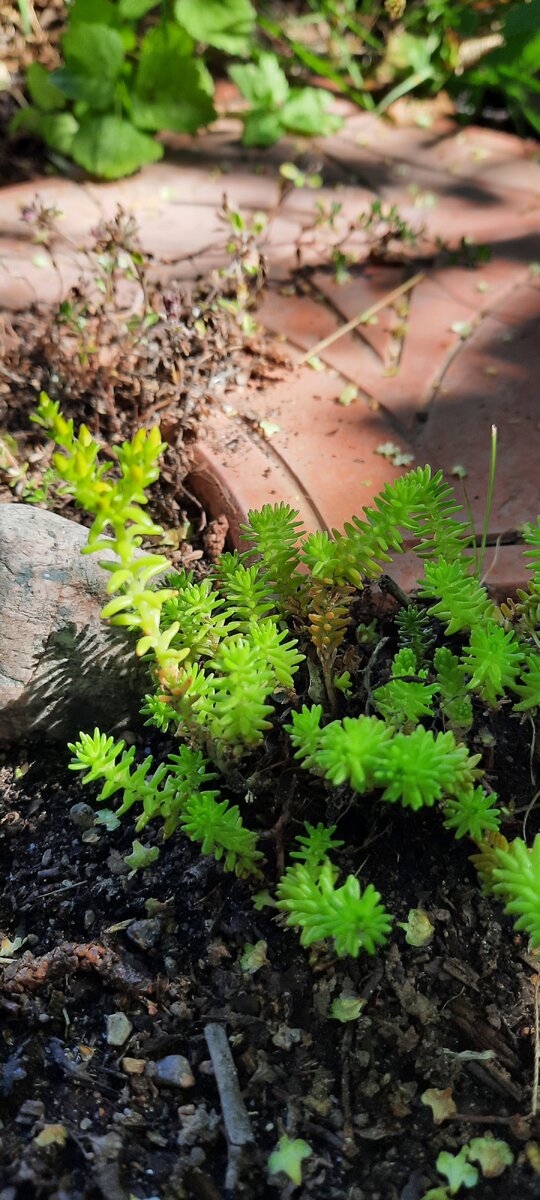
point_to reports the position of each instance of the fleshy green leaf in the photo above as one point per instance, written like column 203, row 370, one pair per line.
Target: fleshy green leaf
column 173, row 90
column 94, row 57
column 42, row 90
column 111, row 147
column 226, row 24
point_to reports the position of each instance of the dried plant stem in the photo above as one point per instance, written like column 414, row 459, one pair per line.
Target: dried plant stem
column 362, row 317
column 489, row 500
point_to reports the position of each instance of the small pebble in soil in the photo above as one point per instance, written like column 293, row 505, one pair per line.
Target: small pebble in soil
column 181, row 1010
column 81, row 815
column 128, row 1118
column 91, row 837
column 30, row 1111
column 133, row 1066
column 116, row 864
column 145, row 934
column 286, row 1038
column 197, row 1156
column 118, row 1028
column 172, row 1071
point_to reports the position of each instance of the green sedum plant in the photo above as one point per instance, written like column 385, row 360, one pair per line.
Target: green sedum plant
column 307, row 892
column 120, row 522
column 455, row 701
column 228, row 652
column 408, row 696
column 173, row 791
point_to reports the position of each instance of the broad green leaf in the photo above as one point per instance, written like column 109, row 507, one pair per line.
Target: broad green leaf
column 133, row 9
column 522, row 21
column 226, row 24
column 173, row 90
column 94, row 57
column 530, row 55
column 42, row 91
column 264, row 84
column 262, row 128
column 305, row 112
column 93, row 12
column 56, row 129
column 111, row 147
column 161, row 49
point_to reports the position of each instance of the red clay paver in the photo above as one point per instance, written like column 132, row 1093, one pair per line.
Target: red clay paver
column 433, row 373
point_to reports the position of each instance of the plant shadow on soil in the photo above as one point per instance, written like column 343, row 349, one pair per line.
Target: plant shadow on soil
column 164, row 948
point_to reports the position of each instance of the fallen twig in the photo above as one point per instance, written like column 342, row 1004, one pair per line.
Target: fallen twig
column 361, row 318
column 235, row 1115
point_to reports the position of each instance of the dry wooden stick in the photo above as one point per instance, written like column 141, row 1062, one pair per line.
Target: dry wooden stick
column 235, row 1115
column 361, row 318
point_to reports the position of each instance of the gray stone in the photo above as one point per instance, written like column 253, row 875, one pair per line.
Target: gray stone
column 172, row 1071
column 145, row 933
column 118, row 1028
column 62, row 669
column 82, row 815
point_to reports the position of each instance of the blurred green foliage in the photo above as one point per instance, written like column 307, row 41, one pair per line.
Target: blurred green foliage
column 135, row 68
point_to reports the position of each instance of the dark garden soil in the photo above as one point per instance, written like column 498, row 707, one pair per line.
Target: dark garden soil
column 83, row 1117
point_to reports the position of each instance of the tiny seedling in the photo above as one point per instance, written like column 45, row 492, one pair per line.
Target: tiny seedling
column 288, row 1158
